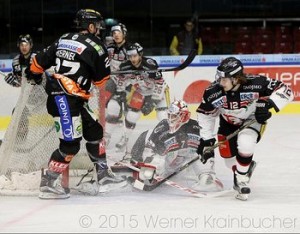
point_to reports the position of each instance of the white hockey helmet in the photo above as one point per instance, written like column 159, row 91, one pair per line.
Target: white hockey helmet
column 178, row 114
column 119, row 27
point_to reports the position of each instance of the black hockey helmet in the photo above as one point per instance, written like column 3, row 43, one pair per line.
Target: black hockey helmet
column 231, row 67
column 25, row 38
column 119, row 27
column 135, row 48
column 85, row 17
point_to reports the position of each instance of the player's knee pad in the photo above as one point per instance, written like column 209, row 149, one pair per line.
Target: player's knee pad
column 113, row 108
column 69, row 147
column 131, row 118
column 93, row 132
column 247, row 140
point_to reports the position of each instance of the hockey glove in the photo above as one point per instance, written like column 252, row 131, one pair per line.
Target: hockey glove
column 33, row 78
column 13, row 80
column 262, row 113
column 202, row 147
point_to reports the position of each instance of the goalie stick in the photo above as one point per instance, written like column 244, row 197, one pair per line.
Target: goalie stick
column 151, row 187
column 183, row 65
column 141, row 186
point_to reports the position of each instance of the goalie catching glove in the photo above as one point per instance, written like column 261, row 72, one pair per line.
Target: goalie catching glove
column 202, row 151
column 262, row 113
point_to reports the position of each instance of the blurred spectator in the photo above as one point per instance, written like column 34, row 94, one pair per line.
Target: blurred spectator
column 186, row 40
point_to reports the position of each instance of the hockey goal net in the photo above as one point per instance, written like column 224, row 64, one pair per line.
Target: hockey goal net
column 29, row 142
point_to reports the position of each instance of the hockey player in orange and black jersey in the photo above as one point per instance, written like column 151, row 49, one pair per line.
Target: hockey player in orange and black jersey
column 171, row 143
column 80, row 60
column 234, row 99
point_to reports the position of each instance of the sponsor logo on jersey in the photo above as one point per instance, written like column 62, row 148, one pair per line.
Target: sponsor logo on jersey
column 97, row 47
column 73, row 46
column 193, row 140
column 249, row 96
column 65, row 117
column 252, row 87
column 65, row 54
column 219, row 102
column 170, row 143
column 214, row 95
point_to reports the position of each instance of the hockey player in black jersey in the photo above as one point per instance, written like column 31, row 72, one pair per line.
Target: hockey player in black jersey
column 20, row 64
column 81, row 61
column 169, row 145
column 234, row 99
column 21, row 61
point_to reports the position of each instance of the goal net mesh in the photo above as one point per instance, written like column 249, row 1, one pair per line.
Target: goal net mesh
column 30, row 140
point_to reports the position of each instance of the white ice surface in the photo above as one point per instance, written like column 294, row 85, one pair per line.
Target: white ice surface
column 273, row 206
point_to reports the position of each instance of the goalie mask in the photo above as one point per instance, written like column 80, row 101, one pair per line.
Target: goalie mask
column 178, row 114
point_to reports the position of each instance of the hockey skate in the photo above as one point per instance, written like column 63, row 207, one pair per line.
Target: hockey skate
column 51, row 188
column 109, row 181
column 241, row 182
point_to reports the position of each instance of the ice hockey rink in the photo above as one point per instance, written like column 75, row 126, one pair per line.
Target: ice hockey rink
column 273, row 205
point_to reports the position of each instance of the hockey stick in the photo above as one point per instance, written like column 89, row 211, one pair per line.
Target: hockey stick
column 183, row 65
column 2, row 74
column 154, row 186
column 141, row 186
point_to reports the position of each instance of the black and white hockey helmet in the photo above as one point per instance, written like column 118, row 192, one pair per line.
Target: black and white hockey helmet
column 178, row 114
column 25, row 38
column 230, row 67
column 85, row 17
column 119, row 27
column 134, row 49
